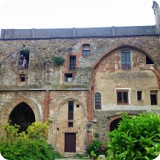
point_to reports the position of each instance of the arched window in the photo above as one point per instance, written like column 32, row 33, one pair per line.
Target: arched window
column 24, row 59
column 86, row 50
column 97, row 100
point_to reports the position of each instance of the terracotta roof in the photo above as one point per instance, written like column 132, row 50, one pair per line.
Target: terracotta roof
column 7, row 34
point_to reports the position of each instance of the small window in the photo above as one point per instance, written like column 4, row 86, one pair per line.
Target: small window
column 149, row 61
column 122, row 97
column 70, row 124
column 22, row 77
column 86, row 50
column 153, row 97
column 139, row 95
column 24, row 59
column 70, row 113
column 72, row 65
column 97, row 100
column 68, row 77
column 126, row 59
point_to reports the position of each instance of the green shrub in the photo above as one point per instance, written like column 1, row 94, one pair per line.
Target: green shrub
column 58, row 61
column 137, row 137
column 96, row 148
column 27, row 145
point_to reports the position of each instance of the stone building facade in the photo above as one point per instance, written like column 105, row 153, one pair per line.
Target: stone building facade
column 107, row 71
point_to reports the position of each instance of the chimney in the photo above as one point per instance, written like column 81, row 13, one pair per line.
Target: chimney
column 156, row 10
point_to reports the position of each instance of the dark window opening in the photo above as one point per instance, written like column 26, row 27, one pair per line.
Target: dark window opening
column 22, row 77
column 68, row 77
column 70, row 110
column 72, row 65
column 122, row 97
column 139, row 95
column 70, row 113
column 86, row 50
column 97, row 100
column 22, row 115
column 126, row 59
column 114, row 124
column 149, row 61
column 153, row 97
column 70, row 124
column 24, row 59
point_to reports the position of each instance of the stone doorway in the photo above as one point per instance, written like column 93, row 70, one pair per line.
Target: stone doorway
column 70, row 142
column 22, row 115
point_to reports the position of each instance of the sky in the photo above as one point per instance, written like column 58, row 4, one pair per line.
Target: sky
column 21, row 14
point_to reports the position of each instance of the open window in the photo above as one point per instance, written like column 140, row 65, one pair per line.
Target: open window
column 139, row 95
column 24, row 59
column 22, row 77
column 153, row 97
column 149, row 61
column 68, row 77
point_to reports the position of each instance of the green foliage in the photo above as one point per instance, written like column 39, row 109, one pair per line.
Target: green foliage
column 58, row 61
column 27, row 145
column 96, row 135
column 137, row 138
column 96, row 148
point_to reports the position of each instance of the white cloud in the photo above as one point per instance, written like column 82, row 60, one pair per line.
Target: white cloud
column 74, row 13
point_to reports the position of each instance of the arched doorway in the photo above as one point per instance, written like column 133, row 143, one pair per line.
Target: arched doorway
column 22, row 115
column 114, row 124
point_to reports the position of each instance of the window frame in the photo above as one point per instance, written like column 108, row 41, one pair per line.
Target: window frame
column 126, row 59
column 86, row 50
column 68, row 75
column 99, row 99
column 72, row 62
column 23, row 59
column 122, row 97
column 139, row 96
column 155, row 93
column 70, row 113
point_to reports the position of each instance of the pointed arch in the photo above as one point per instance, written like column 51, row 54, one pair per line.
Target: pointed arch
column 31, row 102
column 135, row 47
column 22, row 115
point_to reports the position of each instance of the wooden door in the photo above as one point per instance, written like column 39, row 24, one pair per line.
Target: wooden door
column 70, row 142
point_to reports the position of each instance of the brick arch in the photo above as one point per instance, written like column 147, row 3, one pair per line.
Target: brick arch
column 111, row 119
column 114, row 117
column 75, row 100
column 35, row 106
column 136, row 47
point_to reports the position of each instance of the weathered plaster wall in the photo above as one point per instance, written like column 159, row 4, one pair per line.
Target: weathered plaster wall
column 47, row 94
column 38, row 75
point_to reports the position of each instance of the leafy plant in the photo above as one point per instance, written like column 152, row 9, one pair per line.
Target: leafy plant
column 137, row 137
column 58, row 60
column 31, row 144
column 96, row 148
